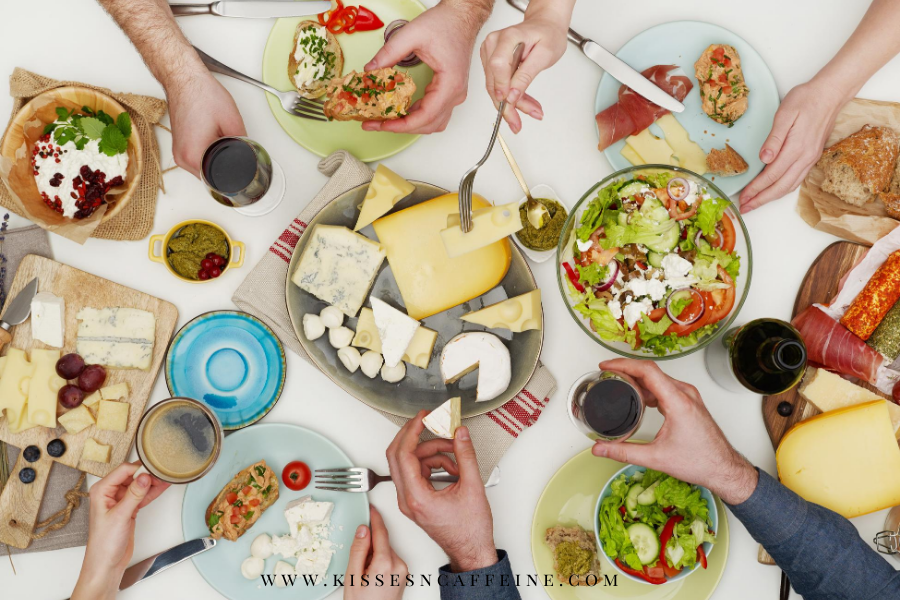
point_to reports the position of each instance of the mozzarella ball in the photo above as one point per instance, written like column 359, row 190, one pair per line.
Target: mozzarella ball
column 349, row 357
column 261, row 546
column 252, row 567
column 393, row 374
column 340, row 337
column 331, row 317
column 370, row 363
column 282, row 568
column 313, row 328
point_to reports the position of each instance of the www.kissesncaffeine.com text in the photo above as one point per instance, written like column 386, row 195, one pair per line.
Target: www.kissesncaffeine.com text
column 442, row 580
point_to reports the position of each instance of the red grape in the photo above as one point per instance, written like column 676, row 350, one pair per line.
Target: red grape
column 895, row 392
column 215, row 272
column 218, row 261
column 206, row 263
column 210, row 255
column 70, row 366
column 203, row 275
column 70, row 396
column 92, row 378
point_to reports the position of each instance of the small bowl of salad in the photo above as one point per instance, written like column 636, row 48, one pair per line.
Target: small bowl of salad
column 654, row 528
column 654, row 262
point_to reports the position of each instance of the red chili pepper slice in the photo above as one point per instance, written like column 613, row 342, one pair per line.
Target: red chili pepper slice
column 701, row 556
column 668, row 509
column 622, row 510
column 573, row 277
column 366, row 20
column 667, row 534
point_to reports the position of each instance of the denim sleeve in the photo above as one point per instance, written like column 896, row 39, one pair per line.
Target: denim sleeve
column 491, row 583
column 820, row 551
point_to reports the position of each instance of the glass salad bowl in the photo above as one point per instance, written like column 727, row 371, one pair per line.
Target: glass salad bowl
column 691, row 250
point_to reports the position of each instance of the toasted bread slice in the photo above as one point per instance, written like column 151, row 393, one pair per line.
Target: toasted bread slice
column 379, row 95
column 861, row 165
column 891, row 203
column 726, row 163
column 584, row 541
column 263, row 484
column 313, row 63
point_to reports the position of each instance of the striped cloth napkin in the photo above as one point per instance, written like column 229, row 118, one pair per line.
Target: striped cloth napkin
column 262, row 295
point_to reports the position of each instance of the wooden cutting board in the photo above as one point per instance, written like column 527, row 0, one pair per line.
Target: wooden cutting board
column 20, row 503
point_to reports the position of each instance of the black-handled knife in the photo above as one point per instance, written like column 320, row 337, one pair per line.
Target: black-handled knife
column 160, row 562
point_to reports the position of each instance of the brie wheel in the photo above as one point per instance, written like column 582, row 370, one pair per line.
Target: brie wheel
column 478, row 350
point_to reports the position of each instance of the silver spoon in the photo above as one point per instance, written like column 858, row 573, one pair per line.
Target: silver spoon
column 534, row 209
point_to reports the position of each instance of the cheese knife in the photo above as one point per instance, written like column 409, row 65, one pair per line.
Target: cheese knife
column 617, row 68
column 18, row 310
column 160, row 562
column 255, row 9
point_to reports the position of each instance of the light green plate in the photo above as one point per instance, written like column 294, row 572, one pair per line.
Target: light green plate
column 569, row 499
column 359, row 48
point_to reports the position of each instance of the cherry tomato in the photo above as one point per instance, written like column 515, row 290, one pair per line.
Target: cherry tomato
column 296, row 475
column 230, row 497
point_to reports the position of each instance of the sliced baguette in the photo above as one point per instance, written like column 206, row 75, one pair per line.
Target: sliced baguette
column 366, row 97
column 557, row 535
column 333, row 54
column 726, row 163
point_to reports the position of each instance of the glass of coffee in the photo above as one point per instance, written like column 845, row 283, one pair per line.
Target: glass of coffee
column 605, row 405
column 179, row 440
column 240, row 173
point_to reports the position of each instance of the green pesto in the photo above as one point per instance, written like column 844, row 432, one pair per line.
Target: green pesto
column 572, row 559
column 191, row 245
column 547, row 237
column 886, row 338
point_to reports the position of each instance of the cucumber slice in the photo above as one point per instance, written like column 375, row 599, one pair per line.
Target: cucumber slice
column 665, row 242
column 655, row 259
column 631, row 500
column 645, row 542
column 632, row 189
column 648, row 496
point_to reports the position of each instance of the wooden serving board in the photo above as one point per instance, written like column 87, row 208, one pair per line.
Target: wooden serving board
column 20, row 503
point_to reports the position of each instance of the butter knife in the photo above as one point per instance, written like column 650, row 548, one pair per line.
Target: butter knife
column 162, row 561
column 18, row 310
column 617, row 68
column 257, row 9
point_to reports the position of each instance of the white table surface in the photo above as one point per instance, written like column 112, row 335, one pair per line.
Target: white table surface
column 80, row 42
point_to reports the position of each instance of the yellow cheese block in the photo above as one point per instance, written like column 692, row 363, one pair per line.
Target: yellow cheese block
column 92, row 400
column 113, row 416
column 2, row 364
column 827, row 391
column 114, row 392
column 652, row 149
column 43, row 389
column 386, row 190
column 687, row 153
column 77, row 419
column 516, row 314
column 418, row 352
column 95, row 451
column 429, row 280
column 14, row 385
column 632, row 156
column 488, row 226
column 846, row 460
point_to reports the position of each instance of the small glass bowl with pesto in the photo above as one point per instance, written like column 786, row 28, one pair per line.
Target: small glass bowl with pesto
column 197, row 251
column 548, row 235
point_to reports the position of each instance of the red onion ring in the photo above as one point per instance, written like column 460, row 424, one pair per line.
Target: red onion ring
column 697, row 296
column 411, row 60
column 607, row 283
column 685, row 186
column 720, row 239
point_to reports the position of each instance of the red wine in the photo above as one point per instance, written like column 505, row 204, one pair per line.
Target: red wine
column 768, row 356
column 229, row 165
column 611, row 407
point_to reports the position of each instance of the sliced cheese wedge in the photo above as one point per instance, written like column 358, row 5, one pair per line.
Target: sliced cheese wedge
column 478, row 350
column 652, row 149
column 445, row 419
column 14, row 385
column 827, row 391
column 517, row 314
column 686, row 152
column 44, row 388
column 632, row 156
column 489, row 225
column 386, row 190
column 395, row 330
column 420, row 348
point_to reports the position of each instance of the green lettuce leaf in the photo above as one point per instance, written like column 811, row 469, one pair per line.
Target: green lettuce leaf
column 592, row 275
column 605, row 324
column 709, row 213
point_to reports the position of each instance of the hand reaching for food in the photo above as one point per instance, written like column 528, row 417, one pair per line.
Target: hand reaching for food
column 115, row 502
column 371, row 556
column 440, row 512
column 443, row 38
column 543, row 32
column 689, row 446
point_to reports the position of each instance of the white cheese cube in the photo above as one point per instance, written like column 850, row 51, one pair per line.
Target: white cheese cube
column 48, row 319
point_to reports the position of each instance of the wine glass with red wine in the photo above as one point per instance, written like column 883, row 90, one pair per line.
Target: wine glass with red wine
column 605, row 405
column 240, row 173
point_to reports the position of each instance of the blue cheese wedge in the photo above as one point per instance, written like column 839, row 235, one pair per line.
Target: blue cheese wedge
column 445, row 419
column 395, row 330
column 338, row 266
column 119, row 338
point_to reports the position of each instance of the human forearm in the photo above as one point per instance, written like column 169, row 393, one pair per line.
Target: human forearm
column 475, row 12
column 96, row 584
column 555, row 11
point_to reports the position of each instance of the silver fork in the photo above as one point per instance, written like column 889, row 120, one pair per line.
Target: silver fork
column 291, row 102
column 467, row 183
column 359, row 479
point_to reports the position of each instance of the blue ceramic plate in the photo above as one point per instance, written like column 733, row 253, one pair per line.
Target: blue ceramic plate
column 277, row 444
column 681, row 43
column 232, row 362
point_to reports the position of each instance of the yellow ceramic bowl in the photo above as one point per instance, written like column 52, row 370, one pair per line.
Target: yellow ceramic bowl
column 235, row 259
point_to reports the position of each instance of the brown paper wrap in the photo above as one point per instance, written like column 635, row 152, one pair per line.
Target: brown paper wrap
column 826, row 212
column 131, row 220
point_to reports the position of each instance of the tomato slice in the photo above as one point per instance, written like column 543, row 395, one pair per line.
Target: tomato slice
column 701, row 556
column 230, row 497
column 689, row 311
column 729, row 235
column 669, row 571
column 656, row 572
column 296, row 475
column 720, row 302
column 625, row 568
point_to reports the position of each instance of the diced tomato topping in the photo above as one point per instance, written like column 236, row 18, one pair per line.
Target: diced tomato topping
column 365, row 98
column 247, row 489
column 390, row 85
column 727, row 89
column 235, row 518
column 398, row 78
column 723, row 78
column 230, row 497
column 719, row 53
column 727, row 61
column 255, row 502
column 244, row 509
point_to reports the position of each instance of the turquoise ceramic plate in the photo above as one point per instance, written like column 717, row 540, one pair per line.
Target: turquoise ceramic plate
column 359, row 48
column 277, row 444
column 232, row 362
column 570, row 499
column 682, row 43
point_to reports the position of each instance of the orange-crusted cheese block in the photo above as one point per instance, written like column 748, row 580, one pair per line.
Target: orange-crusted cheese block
column 878, row 297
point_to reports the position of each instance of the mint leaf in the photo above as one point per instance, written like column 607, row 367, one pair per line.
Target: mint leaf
column 87, row 110
column 108, row 120
column 62, row 114
column 81, row 142
column 112, row 141
column 92, row 128
column 64, row 135
column 49, row 127
column 123, row 122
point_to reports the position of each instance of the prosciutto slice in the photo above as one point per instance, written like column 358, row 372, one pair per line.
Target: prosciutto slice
column 634, row 113
column 829, row 344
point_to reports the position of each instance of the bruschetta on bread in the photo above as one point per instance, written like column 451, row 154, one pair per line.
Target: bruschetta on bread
column 242, row 502
column 378, row 95
column 316, row 58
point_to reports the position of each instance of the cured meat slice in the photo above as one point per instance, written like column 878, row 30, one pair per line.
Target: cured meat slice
column 830, row 344
column 634, row 113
